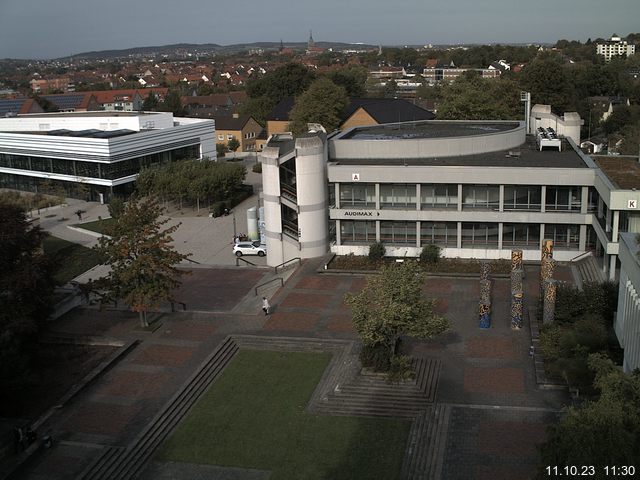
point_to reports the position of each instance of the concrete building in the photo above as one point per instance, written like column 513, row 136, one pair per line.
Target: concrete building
column 615, row 47
column 104, row 151
column 627, row 321
column 477, row 189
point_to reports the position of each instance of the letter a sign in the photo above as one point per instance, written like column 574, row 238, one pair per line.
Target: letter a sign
column 355, row 177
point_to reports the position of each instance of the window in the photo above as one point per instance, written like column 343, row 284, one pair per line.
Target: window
column 439, row 196
column 229, row 137
column 444, row 234
column 398, row 232
column 220, row 137
column 360, row 195
column 354, row 232
column 479, row 234
column 486, row 197
column 563, row 199
column 521, row 234
column 522, row 197
column 566, row 237
column 398, row 196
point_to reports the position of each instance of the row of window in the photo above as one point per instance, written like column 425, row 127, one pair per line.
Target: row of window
column 109, row 171
column 445, row 196
column 445, row 234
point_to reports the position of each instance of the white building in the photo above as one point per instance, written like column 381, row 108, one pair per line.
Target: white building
column 477, row 189
column 615, row 47
column 103, row 150
column 627, row 322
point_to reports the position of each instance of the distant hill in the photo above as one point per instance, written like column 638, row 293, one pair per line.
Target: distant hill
column 209, row 48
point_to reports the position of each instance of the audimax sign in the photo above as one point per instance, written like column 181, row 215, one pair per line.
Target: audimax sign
column 360, row 213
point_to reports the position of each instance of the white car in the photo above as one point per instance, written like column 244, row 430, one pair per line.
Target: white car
column 249, row 248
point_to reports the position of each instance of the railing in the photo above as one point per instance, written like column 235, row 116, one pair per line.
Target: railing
column 283, row 264
column 577, row 258
column 267, row 283
column 239, row 259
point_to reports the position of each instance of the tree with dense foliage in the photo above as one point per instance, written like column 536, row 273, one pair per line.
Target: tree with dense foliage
column 258, row 108
column 322, row 103
column 233, row 144
column 26, row 293
column 471, row 97
column 173, row 104
column 193, row 180
column 150, row 103
column 143, row 262
column 353, row 78
column 286, row 81
column 549, row 84
column 391, row 305
column 603, row 432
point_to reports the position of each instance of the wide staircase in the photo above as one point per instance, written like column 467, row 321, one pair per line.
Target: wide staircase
column 125, row 463
column 423, row 458
column 585, row 269
column 370, row 394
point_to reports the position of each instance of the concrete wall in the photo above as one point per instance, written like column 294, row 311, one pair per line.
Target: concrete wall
column 311, row 182
column 566, row 126
column 427, row 147
column 627, row 322
column 271, row 196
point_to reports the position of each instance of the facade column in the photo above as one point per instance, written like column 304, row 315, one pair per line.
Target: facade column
column 378, row 201
column 418, row 240
column 418, row 197
column 541, row 236
column 543, row 198
column 500, row 226
column 616, row 225
column 608, row 221
column 377, row 230
column 584, row 202
column 338, row 236
column 612, row 267
column 459, row 241
column 501, row 199
column 459, row 198
column 582, row 242
column 336, row 188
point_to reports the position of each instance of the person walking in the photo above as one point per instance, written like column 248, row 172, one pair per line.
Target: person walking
column 265, row 305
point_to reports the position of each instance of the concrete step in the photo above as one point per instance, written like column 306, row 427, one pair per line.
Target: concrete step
column 128, row 464
column 423, row 458
column 364, row 411
column 589, row 270
column 101, row 463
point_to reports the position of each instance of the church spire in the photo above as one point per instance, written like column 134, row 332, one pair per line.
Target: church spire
column 310, row 43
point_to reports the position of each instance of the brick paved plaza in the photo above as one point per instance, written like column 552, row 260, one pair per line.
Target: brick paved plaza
column 487, row 382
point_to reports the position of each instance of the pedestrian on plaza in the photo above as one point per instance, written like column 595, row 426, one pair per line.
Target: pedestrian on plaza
column 79, row 214
column 265, row 305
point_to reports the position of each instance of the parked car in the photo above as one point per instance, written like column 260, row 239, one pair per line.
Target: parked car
column 249, row 248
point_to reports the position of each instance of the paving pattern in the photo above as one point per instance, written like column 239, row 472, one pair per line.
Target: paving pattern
column 478, row 412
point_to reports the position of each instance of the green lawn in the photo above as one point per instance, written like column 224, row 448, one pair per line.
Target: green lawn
column 253, row 417
column 97, row 226
column 71, row 259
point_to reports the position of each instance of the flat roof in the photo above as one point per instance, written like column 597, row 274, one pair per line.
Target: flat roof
column 97, row 113
column 526, row 155
column 624, row 172
column 428, row 129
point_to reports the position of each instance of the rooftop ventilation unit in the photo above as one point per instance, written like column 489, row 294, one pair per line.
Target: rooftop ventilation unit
column 548, row 138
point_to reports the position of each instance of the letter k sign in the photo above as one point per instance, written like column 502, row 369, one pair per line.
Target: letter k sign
column 632, row 204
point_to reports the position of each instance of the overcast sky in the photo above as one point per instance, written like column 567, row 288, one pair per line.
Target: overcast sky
column 56, row 28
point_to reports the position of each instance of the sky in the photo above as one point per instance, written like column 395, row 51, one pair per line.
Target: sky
column 43, row 29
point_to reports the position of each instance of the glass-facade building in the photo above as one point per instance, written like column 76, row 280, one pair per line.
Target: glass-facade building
column 95, row 155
